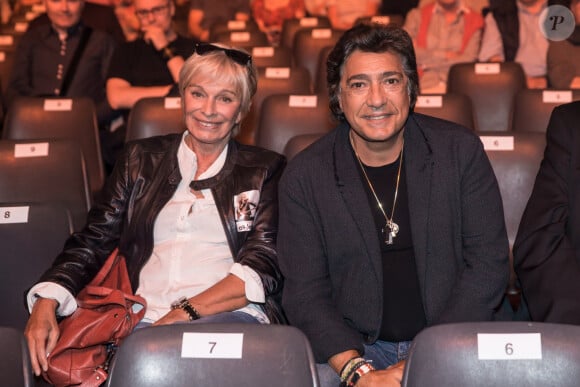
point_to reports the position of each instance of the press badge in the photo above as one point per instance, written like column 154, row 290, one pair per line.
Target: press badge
column 245, row 205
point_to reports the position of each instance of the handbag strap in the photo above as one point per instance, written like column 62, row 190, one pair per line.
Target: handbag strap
column 97, row 378
column 85, row 35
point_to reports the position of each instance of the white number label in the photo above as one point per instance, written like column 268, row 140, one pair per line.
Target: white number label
column 20, row 27
column 172, row 103
column 240, row 36
column 6, row 40
column 56, row 105
column 309, row 22
column 2, row 56
column 321, row 33
column 309, row 101
column 263, row 52
column 487, row 68
column 429, row 101
column 14, row 214
column 277, row 72
column 507, row 346
column 236, row 25
column 212, row 345
column 498, row 143
column 39, row 149
column 557, row 96
column 381, row 20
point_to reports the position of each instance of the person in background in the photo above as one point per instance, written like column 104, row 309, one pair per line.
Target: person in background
column 444, row 32
column 205, row 13
column 270, row 15
column 564, row 56
column 146, row 67
column 42, row 60
column 512, row 34
column 344, row 13
column 399, row 7
column 547, row 250
column 315, row 7
column 125, row 12
column 169, row 207
column 381, row 231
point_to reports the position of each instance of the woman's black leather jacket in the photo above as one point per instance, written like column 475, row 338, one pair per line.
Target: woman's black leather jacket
column 143, row 181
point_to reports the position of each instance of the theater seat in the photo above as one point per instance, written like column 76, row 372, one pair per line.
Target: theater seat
column 15, row 367
column 31, row 118
column 533, row 107
column 155, row 116
column 494, row 354
column 492, row 88
column 285, row 116
column 451, row 107
column 207, row 355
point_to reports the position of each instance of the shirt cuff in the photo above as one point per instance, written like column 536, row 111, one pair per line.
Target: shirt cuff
column 67, row 303
column 254, row 287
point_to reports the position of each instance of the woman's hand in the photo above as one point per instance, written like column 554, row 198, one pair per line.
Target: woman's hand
column 173, row 316
column 41, row 333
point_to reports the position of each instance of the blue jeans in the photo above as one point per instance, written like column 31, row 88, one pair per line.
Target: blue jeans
column 226, row 317
column 381, row 354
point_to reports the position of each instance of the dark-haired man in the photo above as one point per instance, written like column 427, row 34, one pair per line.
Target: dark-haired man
column 391, row 223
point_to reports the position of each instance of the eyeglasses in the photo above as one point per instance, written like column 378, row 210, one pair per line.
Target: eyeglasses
column 156, row 11
column 237, row 56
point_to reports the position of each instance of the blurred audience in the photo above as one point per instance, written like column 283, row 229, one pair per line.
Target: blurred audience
column 476, row 5
column 315, row 7
column 344, row 13
column 42, row 61
column 125, row 12
column 205, row 13
column 444, row 33
column 512, row 34
column 270, row 15
column 146, row 67
column 399, row 7
column 564, row 57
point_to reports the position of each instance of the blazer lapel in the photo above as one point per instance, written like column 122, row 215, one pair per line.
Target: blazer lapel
column 355, row 198
column 419, row 167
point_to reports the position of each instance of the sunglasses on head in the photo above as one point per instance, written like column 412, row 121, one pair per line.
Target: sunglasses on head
column 237, row 56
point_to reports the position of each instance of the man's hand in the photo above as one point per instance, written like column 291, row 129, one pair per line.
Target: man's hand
column 155, row 36
column 390, row 377
column 41, row 333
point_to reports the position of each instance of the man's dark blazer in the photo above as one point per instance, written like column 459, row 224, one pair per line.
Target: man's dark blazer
column 547, row 247
column 329, row 252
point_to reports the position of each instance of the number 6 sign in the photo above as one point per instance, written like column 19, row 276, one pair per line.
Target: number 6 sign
column 508, row 346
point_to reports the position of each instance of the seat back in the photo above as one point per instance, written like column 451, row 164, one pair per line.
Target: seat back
column 533, row 107
column 31, row 118
column 45, row 172
column 268, row 56
column 15, row 365
column 31, row 236
column 291, row 26
column 492, row 88
column 320, row 84
column 155, row 116
column 298, row 143
column 243, row 39
column 285, row 116
column 515, row 159
column 308, row 43
column 231, row 26
column 272, row 80
column 214, row 355
column 451, row 107
column 494, row 354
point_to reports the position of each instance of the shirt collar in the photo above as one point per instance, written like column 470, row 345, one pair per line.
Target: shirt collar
column 461, row 9
column 187, row 161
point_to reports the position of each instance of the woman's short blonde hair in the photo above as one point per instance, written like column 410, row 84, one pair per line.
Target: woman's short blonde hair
column 217, row 65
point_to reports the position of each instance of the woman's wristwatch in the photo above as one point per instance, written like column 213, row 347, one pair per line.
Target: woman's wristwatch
column 183, row 303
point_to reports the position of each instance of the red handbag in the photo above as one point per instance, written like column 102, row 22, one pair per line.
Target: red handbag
column 107, row 312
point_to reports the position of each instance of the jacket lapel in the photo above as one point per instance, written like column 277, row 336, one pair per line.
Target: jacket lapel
column 355, row 198
column 419, row 168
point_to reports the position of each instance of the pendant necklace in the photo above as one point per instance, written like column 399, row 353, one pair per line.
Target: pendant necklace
column 393, row 228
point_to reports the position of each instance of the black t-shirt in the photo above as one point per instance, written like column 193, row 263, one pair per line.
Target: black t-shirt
column 139, row 63
column 403, row 314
